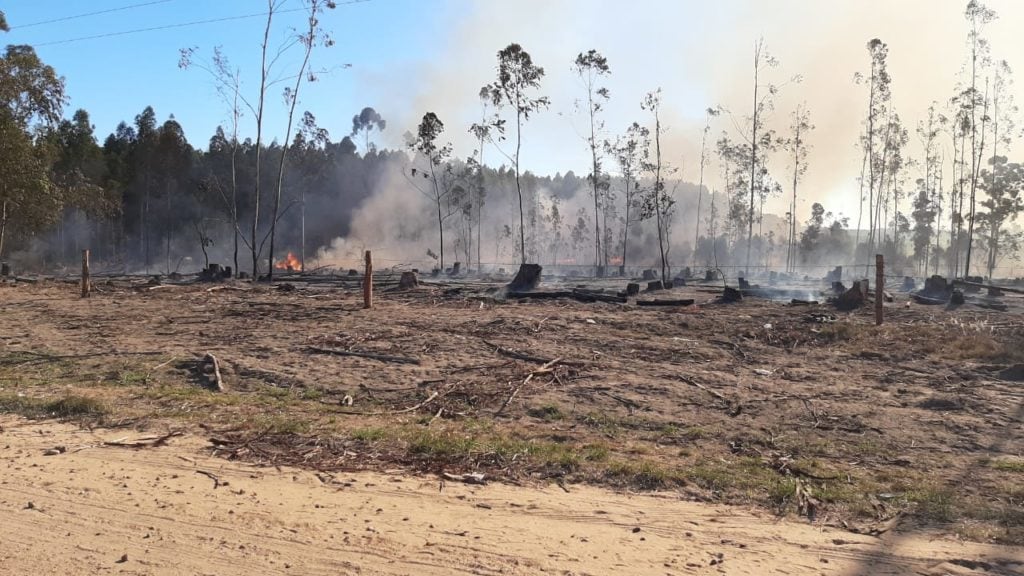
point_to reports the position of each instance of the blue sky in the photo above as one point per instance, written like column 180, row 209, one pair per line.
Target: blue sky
column 413, row 56
column 115, row 77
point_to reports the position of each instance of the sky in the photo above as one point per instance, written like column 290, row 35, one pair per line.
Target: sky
column 408, row 57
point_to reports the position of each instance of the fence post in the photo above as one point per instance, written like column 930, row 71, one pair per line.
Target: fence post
column 86, row 287
column 879, row 287
column 368, row 282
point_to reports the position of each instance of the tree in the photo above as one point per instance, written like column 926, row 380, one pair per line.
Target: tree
column 30, row 93
column 483, row 131
column 518, row 76
column 439, row 171
column 762, row 104
column 657, row 199
column 977, row 15
column 227, row 81
column 709, row 113
column 878, row 110
column 590, row 66
column 798, row 146
column 628, row 155
column 365, row 122
column 313, row 36
column 1003, row 185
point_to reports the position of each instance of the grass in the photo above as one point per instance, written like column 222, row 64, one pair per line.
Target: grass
column 68, row 407
column 1008, row 465
column 548, row 412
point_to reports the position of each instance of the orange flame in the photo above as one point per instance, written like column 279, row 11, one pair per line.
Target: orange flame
column 290, row 263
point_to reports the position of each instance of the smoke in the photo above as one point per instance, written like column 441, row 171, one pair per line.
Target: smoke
column 701, row 55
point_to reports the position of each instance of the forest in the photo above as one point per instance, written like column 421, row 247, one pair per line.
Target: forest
column 939, row 197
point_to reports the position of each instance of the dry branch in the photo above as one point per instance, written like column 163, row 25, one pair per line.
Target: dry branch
column 217, row 382
column 148, row 442
column 379, row 357
column 527, row 357
column 681, row 302
column 546, row 368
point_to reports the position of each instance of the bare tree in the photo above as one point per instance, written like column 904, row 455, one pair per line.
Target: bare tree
column 762, row 103
column 312, row 36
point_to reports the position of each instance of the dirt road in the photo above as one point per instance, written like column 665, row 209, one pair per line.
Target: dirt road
column 96, row 509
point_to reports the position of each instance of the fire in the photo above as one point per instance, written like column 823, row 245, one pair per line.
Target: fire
column 290, row 263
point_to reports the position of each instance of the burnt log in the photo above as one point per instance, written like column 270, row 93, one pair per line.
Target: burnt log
column 679, row 302
column 655, row 286
column 744, row 285
column 528, row 278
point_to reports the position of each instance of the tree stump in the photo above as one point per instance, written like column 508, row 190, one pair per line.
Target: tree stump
column 632, row 289
column 528, row 278
column 957, row 297
column 744, row 285
column 650, row 274
column 408, row 281
column 909, row 284
column 731, row 294
column 5, row 269
column 456, row 269
column 655, row 286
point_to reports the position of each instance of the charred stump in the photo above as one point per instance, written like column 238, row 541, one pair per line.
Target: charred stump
column 528, row 278
column 408, row 281
column 730, row 294
column 632, row 289
column 655, row 286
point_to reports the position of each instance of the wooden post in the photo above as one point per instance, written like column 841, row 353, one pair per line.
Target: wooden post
column 368, row 282
column 879, row 287
column 86, row 288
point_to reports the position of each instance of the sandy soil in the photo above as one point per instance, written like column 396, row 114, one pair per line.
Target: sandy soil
column 97, row 509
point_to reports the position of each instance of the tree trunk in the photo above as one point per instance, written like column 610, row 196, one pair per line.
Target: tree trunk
column 259, row 142
column 519, row 189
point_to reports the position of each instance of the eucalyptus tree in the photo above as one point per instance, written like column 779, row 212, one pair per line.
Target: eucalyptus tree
column 365, row 123
column 657, row 200
column 762, row 104
column 977, row 16
column 799, row 147
column 518, row 78
column 879, row 96
column 708, row 114
column 626, row 150
column 438, row 174
column 591, row 66
column 1004, row 186
column 312, row 36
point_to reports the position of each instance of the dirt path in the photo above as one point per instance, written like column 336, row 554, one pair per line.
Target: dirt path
column 97, row 510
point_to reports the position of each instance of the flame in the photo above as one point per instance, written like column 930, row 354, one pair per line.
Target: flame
column 290, row 263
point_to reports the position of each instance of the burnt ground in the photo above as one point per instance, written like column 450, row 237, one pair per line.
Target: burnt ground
column 803, row 410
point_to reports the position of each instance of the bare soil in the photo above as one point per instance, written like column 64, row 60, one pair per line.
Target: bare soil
column 812, row 425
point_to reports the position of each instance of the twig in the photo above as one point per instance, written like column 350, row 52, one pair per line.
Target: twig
column 379, row 357
column 546, row 368
column 704, row 388
column 527, row 357
column 150, row 442
column 211, row 476
column 404, row 411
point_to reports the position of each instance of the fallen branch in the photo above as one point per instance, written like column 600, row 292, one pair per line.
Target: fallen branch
column 378, row 357
column 148, row 442
column 211, row 476
column 546, row 368
column 704, row 388
column 527, row 357
column 218, row 382
column 469, row 478
column 403, row 411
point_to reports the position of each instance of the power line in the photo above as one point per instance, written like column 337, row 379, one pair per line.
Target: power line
column 87, row 14
column 183, row 24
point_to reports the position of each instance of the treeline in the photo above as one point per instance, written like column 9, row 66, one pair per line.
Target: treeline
column 146, row 199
